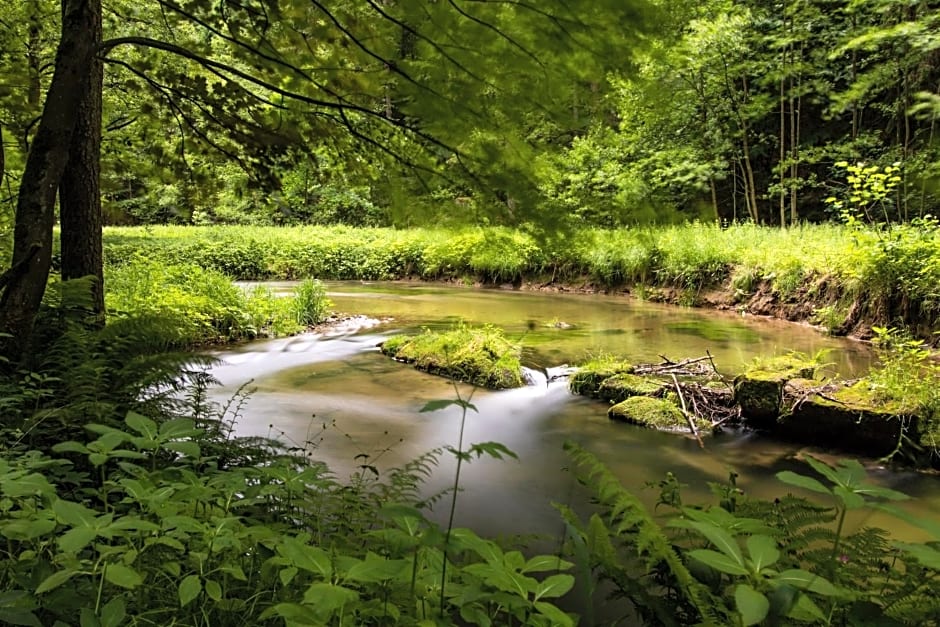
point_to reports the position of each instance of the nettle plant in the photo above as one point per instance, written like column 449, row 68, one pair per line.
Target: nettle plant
column 867, row 198
column 145, row 524
column 748, row 561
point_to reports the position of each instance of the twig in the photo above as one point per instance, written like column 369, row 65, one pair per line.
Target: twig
column 685, row 412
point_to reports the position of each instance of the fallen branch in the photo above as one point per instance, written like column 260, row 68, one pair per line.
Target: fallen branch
column 685, row 412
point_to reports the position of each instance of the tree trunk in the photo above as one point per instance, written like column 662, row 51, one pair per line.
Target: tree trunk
column 79, row 192
column 35, row 209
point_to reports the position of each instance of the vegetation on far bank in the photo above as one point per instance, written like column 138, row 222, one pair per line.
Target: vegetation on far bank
column 836, row 276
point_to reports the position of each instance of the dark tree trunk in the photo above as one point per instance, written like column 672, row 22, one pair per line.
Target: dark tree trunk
column 79, row 193
column 35, row 210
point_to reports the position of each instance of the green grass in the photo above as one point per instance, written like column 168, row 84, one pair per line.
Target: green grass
column 892, row 274
column 202, row 306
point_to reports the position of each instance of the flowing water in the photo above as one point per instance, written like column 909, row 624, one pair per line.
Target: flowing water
column 337, row 395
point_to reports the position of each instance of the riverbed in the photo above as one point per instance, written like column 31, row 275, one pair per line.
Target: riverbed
column 337, row 396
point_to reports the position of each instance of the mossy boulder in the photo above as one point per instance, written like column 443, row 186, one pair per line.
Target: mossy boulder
column 655, row 413
column 620, row 387
column 481, row 356
column 759, row 390
column 589, row 377
column 849, row 416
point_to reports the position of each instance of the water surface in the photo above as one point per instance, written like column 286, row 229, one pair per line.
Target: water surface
column 351, row 405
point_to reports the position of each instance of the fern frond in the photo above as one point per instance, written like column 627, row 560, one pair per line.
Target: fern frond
column 626, row 515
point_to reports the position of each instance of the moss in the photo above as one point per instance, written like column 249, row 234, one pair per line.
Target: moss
column 782, row 368
column 654, row 413
column 622, row 386
column 589, row 377
column 482, row 356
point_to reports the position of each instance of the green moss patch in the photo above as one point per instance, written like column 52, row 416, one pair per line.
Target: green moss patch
column 481, row 356
column 623, row 386
column 759, row 390
column 655, row 413
column 589, row 377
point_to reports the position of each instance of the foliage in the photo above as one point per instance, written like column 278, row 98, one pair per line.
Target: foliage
column 747, row 561
column 481, row 356
column 309, row 304
column 144, row 508
column 907, row 374
column 201, row 305
column 891, row 274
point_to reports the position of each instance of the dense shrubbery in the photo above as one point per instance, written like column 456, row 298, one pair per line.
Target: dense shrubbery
column 201, row 305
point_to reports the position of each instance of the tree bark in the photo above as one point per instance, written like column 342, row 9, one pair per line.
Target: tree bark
column 79, row 189
column 35, row 209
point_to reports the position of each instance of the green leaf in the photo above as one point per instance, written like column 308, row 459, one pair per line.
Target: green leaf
column 88, row 618
column 213, row 590
column 73, row 514
column 189, row 589
column 752, row 605
column 74, row 540
column 309, row 558
column 374, row 568
column 329, row 597
column 113, row 613
column 124, row 576
column 55, row 580
column 189, row 449
column 142, row 425
column 543, row 563
column 437, row 405
column 722, row 540
column 763, row 551
column 178, row 428
column 286, row 575
column 850, row 499
column 492, row 449
column 554, row 586
column 557, row 617
column 17, row 616
column 805, row 609
column 803, row 580
column 718, row 561
column 802, row 481
column 825, row 470
column 927, row 556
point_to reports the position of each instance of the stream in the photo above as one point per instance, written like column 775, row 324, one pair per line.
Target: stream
column 338, row 396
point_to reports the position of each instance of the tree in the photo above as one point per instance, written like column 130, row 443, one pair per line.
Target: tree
column 373, row 72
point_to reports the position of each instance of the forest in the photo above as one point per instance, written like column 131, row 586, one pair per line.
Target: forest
column 165, row 163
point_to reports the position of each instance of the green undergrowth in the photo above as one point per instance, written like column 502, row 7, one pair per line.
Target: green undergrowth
column 890, row 273
column 482, row 356
column 202, row 305
column 745, row 561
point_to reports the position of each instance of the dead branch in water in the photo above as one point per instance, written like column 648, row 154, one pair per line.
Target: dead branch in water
column 685, row 412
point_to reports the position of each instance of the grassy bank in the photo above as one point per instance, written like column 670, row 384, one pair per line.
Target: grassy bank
column 836, row 276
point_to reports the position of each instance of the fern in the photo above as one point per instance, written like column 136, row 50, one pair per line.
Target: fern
column 627, row 518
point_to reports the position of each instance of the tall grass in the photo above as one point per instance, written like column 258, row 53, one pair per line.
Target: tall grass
column 895, row 271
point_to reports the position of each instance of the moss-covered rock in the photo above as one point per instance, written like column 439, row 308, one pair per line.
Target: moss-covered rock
column 620, row 387
column 589, row 377
column 655, row 413
column 847, row 416
column 759, row 390
column 482, row 356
